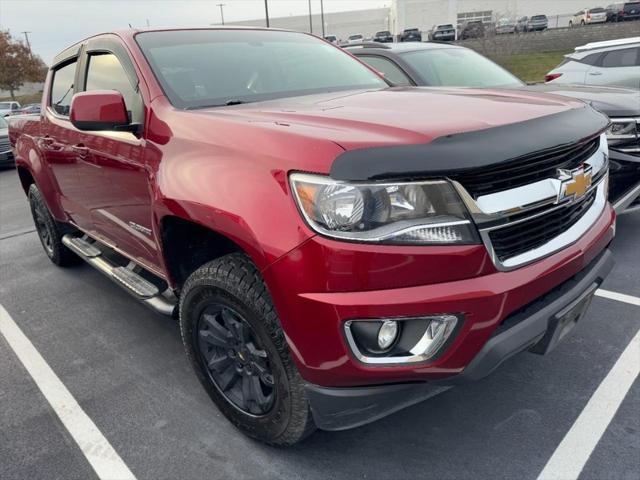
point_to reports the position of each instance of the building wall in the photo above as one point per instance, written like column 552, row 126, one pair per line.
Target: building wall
column 340, row 24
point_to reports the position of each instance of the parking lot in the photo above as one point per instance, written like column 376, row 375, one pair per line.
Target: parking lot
column 125, row 367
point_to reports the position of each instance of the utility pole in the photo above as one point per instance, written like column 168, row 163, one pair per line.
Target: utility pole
column 322, row 16
column 221, row 11
column 266, row 12
column 310, row 19
column 26, row 37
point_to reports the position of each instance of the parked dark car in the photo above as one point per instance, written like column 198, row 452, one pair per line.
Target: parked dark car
column 472, row 29
column 443, row 33
column 331, row 39
column 618, row 12
column 383, row 37
column 440, row 65
column 6, row 156
column 411, row 35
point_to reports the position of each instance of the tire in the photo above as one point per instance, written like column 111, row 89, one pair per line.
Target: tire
column 582, row 23
column 229, row 293
column 50, row 231
column 570, row 24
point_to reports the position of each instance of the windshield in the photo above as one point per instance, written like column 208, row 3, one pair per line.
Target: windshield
column 3, row 123
column 445, row 27
column 597, row 10
column 539, row 17
column 5, row 106
column 458, row 67
column 199, row 68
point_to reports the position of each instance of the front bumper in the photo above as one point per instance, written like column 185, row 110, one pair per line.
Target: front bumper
column 624, row 180
column 531, row 327
column 323, row 283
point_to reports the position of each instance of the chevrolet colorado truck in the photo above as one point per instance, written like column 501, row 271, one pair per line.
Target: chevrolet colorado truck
column 335, row 248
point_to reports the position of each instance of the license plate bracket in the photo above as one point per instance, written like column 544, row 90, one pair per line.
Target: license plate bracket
column 563, row 322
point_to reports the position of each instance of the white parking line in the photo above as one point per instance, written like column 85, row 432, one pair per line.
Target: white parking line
column 576, row 447
column 96, row 448
column 621, row 297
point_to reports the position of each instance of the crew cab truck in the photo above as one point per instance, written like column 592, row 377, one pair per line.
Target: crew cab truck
column 335, row 248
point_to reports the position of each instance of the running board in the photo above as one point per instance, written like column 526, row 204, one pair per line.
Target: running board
column 126, row 277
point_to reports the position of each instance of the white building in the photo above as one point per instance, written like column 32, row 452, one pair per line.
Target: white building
column 424, row 14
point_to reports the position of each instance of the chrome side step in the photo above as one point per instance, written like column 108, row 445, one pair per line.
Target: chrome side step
column 145, row 291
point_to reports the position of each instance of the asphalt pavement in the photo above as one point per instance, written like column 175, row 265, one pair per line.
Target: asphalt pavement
column 125, row 367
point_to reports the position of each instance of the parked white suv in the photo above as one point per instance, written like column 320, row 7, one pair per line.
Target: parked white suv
column 614, row 62
column 588, row 16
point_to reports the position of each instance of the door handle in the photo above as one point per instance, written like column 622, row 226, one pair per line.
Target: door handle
column 80, row 149
column 595, row 73
column 48, row 143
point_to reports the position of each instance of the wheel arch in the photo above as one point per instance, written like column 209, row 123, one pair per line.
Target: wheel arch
column 187, row 245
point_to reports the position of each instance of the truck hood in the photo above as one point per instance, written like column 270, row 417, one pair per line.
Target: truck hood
column 614, row 102
column 408, row 132
column 396, row 116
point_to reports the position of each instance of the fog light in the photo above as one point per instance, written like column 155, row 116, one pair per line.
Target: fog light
column 387, row 334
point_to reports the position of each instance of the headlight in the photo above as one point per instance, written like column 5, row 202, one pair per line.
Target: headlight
column 416, row 213
column 623, row 130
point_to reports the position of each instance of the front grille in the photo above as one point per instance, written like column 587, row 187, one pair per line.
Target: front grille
column 521, row 237
column 4, row 144
column 526, row 170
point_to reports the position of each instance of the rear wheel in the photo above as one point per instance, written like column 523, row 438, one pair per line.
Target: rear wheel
column 233, row 338
column 50, row 231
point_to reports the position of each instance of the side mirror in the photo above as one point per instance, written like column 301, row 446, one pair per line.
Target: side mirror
column 99, row 110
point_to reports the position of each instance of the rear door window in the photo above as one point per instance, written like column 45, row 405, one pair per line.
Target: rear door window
column 62, row 88
column 627, row 57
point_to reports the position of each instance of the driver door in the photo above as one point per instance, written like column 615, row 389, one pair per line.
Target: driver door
column 120, row 203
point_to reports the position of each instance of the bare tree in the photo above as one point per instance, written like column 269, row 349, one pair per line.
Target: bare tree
column 18, row 65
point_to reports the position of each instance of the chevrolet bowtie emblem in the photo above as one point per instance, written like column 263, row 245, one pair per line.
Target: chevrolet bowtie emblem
column 575, row 183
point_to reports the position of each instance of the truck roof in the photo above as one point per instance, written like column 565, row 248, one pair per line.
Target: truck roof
column 72, row 50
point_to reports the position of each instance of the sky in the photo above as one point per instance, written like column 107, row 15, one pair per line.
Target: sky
column 56, row 24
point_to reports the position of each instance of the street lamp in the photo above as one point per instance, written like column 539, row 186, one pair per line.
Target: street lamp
column 266, row 12
column 221, row 11
column 310, row 19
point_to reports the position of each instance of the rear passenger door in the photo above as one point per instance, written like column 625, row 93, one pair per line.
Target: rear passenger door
column 619, row 67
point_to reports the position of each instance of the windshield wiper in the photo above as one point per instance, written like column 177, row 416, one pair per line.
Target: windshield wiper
column 232, row 101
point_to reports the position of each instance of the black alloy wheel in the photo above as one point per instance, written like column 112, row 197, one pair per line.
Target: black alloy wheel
column 43, row 229
column 234, row 360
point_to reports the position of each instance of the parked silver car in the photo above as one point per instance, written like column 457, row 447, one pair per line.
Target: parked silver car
column 614, row 62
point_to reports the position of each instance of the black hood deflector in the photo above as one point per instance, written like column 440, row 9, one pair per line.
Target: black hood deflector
column 466, row 151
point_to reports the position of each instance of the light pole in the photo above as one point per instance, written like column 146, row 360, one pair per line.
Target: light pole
column 266, row 12
column 310, row 19
column 322, row 16
column 221, row 11
column 26, row 37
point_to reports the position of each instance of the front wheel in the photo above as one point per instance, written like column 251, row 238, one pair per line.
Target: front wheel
column 233, row 338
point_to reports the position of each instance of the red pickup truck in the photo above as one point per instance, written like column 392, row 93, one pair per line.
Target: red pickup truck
column 335, row 248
